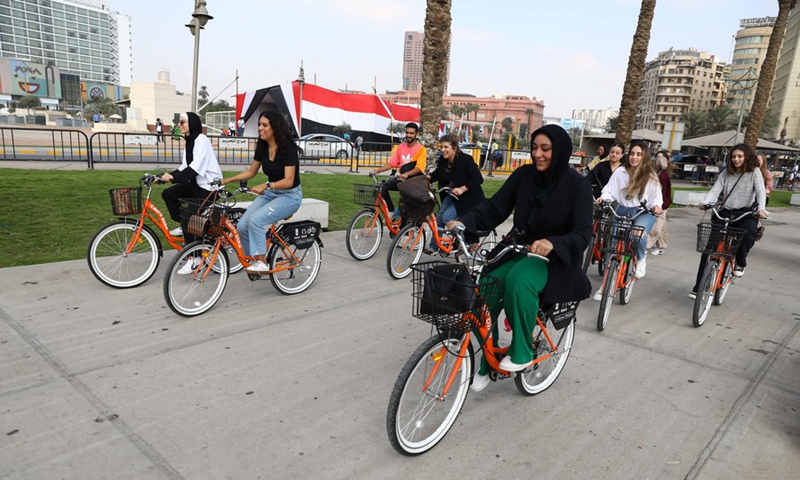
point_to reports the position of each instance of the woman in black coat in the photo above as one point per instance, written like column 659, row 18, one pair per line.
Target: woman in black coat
column 457, row 170
column 552, row 206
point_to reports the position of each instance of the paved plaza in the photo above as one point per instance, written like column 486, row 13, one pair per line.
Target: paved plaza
column 97, row 383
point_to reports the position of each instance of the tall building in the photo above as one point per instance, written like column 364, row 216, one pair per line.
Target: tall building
column 595, row 119
column 785, row 99
column 75, row 37
column 676, row 82
column 413, row 48
column 749, row 50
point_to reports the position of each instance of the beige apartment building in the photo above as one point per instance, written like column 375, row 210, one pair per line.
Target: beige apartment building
column 676, row 82
column 749, row 50
column 413, row 48
column 785, row 99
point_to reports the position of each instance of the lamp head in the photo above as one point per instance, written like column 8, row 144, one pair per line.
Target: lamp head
column 193, row 25
column 200, row 13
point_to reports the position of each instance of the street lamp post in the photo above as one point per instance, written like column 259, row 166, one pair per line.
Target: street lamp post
column 743, row 82
column 301, row 79
column 199, row 19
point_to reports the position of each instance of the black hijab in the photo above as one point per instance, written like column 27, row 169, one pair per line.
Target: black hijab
column 562, row 149
column 195, row 129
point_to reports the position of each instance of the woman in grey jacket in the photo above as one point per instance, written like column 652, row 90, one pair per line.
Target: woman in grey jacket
column 736, row 190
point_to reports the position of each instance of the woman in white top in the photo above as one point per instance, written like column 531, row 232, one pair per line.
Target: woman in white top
column 631, row 185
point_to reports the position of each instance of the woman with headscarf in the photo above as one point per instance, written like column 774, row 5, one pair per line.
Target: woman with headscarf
column 279, row 197
column 199, row 168
column 552, row 207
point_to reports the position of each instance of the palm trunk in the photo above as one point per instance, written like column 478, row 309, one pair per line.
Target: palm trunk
column 633, row 80
column 767, row 74
column 436, row 54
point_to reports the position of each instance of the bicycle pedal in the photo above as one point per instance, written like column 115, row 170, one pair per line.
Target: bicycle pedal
column 253, row 277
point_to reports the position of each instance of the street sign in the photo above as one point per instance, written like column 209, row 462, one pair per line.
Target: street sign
column 673, row 136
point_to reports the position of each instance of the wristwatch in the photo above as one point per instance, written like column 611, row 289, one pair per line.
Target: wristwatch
column 269, row 186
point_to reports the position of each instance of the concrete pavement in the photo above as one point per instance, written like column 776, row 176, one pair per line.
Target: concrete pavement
column 97, row 383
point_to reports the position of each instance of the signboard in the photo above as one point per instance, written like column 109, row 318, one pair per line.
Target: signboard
column 520, row 156
column 673, row 136
column 689, row 167
column 233, row 143
column 778, row 174
column 757, row 22
column 575, row 160
column 140, row 139
column 712, row 169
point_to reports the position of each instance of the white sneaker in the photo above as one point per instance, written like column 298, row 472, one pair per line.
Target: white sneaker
column 479, row 382
column 599, row 294
column 258, row 268
column 738, row 272
column 641, row 268
column 176, row 232
column 189, row 266
column 657, row 251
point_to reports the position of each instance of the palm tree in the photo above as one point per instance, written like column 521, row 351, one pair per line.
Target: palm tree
column 694, row 123
column 529, row 112
column 612, row 124
column 719, row 119
column 508, row 124
column 473, row 107
column 767, row 74
column 203, row 94
column 768, row 126
column 633, row 79
column 436, row 52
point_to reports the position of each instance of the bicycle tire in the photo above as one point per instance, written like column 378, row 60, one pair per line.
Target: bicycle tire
column 109, row 263
column 417, row 418
column 609, row 285
column 364, row 234
column 727, row 273
column 540, row 376
column 705, row 293
column 626, row 292
column 298, row 278
column 588, row 253
column 405, row 250
column 192, row 294
column 601, row 265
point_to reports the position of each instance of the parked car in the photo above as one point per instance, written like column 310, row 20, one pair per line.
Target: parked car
column 323, row 145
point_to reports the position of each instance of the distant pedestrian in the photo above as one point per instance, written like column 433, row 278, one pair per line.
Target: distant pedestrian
column 657, row 240
column 159, row 130
column 762, row 165
column 240, row 127
column 96, row 118
column 601, row 157
column 232, row 128
column 359, row 143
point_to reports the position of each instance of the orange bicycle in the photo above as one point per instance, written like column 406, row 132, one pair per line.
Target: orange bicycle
column 593, row 253
column 365, row 231
column 197, row 276
column 407, row 247
column 433, row 385
column 719, row 241
column 126, row 253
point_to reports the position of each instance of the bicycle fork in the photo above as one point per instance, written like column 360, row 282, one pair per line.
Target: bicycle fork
column 441, row 357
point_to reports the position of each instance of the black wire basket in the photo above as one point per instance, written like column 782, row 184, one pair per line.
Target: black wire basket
column 126, row 201
column 203, row 218
column 415, row 210
column 617, row 232
column 365, row 194
column 710, row 236
column 446, row 295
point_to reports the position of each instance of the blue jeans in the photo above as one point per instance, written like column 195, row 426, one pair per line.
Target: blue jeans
column 447, row 212
column 646, row 220
column 268, row 208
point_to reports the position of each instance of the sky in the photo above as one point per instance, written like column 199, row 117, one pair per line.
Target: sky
column 571, row 54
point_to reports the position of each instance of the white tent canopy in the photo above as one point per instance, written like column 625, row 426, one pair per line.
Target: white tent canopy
column 729, row 138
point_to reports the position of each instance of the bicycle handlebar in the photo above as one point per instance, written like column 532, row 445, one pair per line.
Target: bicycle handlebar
column 641, row 210
column 449, row 191
column 512, row 246
column 715, row 211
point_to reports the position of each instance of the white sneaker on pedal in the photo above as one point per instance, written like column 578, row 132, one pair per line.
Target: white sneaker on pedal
column 189, row 266
column 479, row 382
column 599, row 294
column 176, row 232
column 258, row 268
column 641, row 268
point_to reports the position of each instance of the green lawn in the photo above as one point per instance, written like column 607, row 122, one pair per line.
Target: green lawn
column 779, row 198
column 50, row 216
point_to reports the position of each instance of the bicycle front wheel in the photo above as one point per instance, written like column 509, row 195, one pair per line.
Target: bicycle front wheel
column 725, row 281
column 705, row 293
column 196, row 278
column 109, row 261
column 541, row 375
column 405, row 250
column 420, row 411
column 626, row 292
column 364, row 234
column 294, row 270
column 609, row 287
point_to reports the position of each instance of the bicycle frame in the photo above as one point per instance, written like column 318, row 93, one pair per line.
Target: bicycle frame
column 151, row 212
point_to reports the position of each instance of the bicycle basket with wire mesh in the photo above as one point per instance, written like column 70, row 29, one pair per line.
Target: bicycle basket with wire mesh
column 709, row 236
column 203, row 218
column 126, row 201
column 446, row 295
column 365, row 194
column 415, row 210
column 619, row 231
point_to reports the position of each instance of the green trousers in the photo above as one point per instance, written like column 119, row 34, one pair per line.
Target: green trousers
column 522, row 279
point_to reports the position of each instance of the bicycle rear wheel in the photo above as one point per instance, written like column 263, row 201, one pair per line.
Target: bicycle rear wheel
column 111, row 265
column 364, row 234
column 299, row 273
column 541, row 375
column 626, row 292
column 609, row 286
column 705, row 293
column 196, row 292
column 405, row 250
column 420, row 413
column 725, row 281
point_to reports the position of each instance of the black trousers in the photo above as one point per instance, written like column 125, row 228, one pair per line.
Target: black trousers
column 391, row 184
column 172, row 198
column 749, row 224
